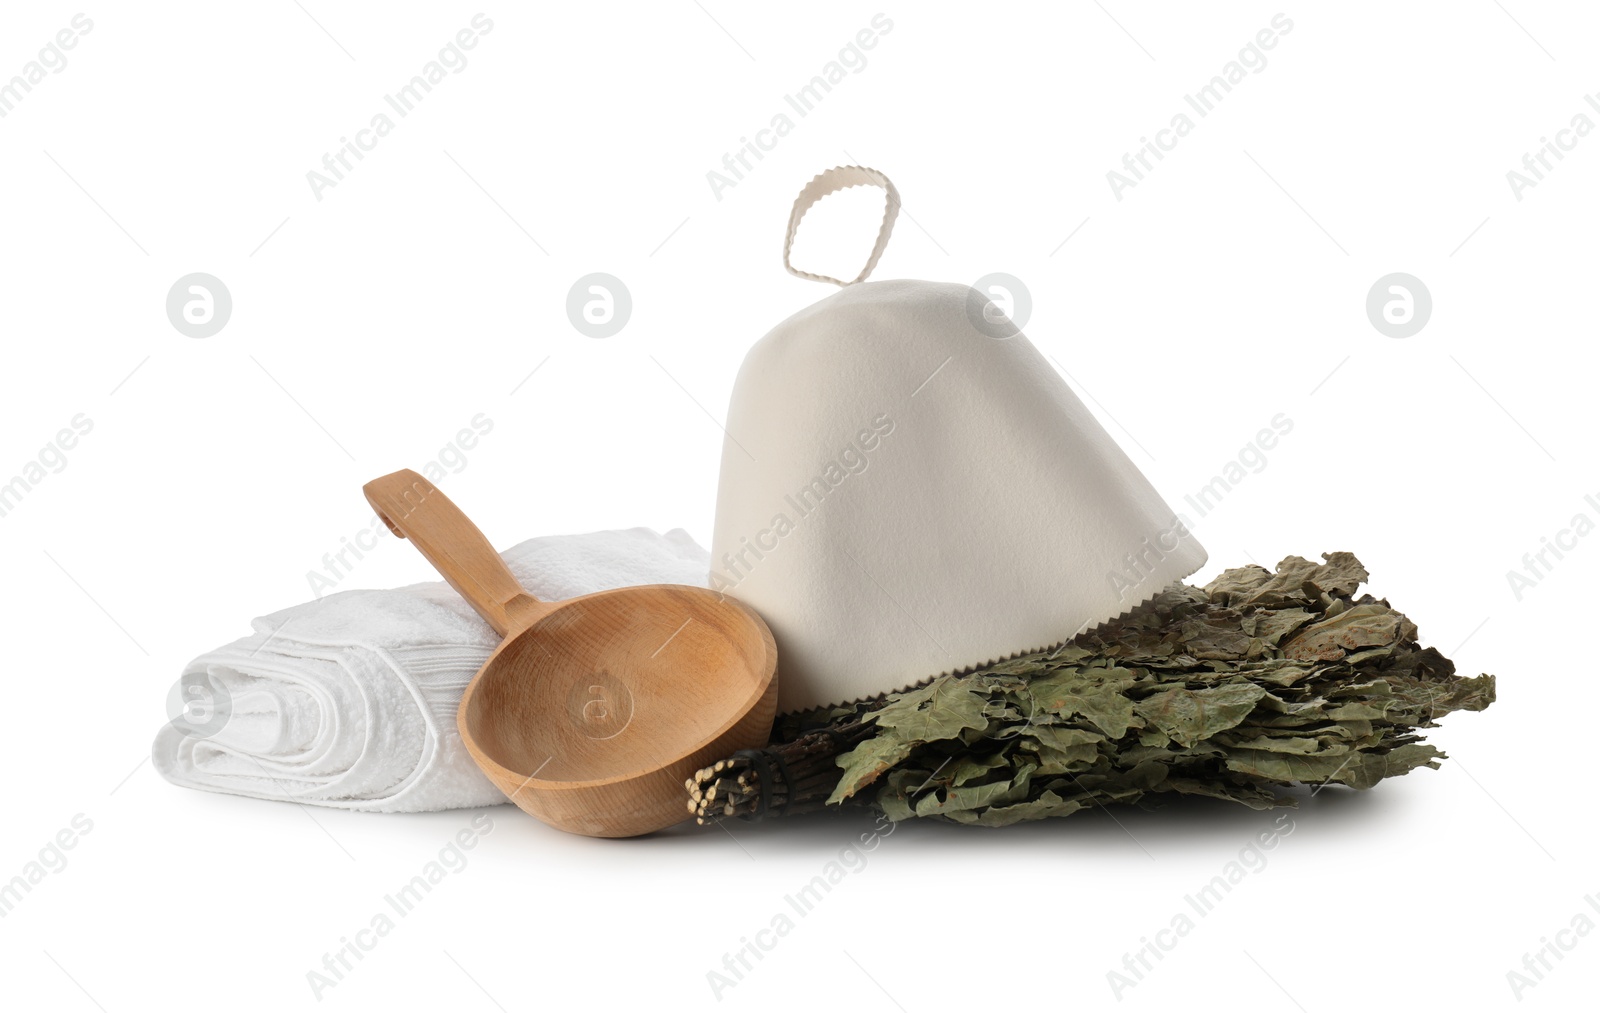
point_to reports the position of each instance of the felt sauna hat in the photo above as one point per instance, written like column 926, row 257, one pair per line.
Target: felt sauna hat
column 909, row 488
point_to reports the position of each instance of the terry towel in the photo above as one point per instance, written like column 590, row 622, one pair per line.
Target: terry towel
column 350, row 701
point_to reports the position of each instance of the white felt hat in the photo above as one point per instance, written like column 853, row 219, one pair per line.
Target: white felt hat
column 909, row 489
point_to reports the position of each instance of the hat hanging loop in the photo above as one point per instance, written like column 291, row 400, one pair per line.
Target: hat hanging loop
column 842, row 177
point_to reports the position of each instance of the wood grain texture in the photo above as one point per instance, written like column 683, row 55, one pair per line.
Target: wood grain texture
column 593, row 711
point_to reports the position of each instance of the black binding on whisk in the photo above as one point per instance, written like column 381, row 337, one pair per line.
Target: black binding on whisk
column 760, row 762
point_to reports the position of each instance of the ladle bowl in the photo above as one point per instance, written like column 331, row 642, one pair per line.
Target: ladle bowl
column 593, row 711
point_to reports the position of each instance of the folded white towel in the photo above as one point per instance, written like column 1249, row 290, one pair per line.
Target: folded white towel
column 350, row 701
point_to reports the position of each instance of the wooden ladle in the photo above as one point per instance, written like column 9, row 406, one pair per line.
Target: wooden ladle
column 592, row 712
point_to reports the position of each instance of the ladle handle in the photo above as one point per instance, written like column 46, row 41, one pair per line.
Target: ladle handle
column 414, row 508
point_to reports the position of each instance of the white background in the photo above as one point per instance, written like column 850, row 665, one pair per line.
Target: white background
column 369, row 326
